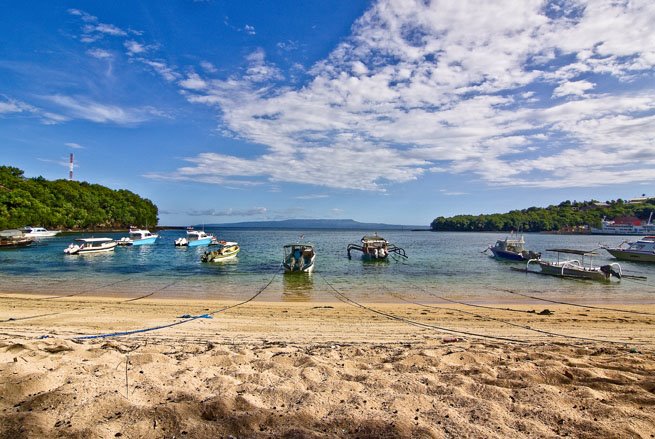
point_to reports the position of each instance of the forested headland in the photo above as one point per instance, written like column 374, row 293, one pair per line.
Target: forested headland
column 63, row 204
column 567, row 216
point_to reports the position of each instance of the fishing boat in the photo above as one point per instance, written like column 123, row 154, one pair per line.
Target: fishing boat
column 194, row 238
column 375, row 247
column 299, row 257
column 90, row 245
column 138, row 237
column 227, row 251
column 14, row 239
column 577, row 268
column 642, row 250
column 38, row 232
column 513, row 249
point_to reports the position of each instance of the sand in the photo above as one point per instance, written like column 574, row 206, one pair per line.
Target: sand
column 318, row 370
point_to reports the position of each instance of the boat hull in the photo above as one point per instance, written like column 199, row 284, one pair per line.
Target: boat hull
column 87, row 251
column 145, row 241
column 217, row 256
column 627, row 255
column 199, row 242
column 567, row 271
column 511, row 256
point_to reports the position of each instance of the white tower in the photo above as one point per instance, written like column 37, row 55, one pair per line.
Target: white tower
column 70, row 168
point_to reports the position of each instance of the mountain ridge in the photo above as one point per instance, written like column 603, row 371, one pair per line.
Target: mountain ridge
column 317, row 224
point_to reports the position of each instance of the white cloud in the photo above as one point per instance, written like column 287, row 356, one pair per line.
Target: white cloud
column 166, row 72
column 83, row 108
column 255, row 211
column 576, row 88
column 208, row 67
column 99, row 53
column 74, row 145
column 134, row 48
column 250, row 30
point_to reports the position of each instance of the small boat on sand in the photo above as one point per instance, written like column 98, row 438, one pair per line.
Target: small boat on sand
column 299, row 258
column 375, row 247
column 513, row 249
column 576, row 268
column 226, row 252
column 642, row 250
column 90, row 245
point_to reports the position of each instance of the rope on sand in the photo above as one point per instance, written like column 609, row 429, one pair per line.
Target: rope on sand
column 341, row 296
column 185, row 320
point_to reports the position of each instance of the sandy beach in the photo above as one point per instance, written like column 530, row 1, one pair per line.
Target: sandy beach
column 329, row 369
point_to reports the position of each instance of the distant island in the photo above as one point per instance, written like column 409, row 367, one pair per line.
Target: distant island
column 342, row 224
column 64, row 204
column 565, row 217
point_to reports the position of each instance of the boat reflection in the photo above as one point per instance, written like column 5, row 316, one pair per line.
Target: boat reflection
column 297, row 287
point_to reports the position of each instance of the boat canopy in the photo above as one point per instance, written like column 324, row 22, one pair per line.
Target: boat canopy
column 573, row 251
column 94, row 239
column 12, row 233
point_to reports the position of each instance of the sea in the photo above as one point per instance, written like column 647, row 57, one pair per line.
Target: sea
column 439, row 266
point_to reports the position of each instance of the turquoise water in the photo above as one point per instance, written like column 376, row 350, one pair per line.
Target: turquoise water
column 439, row 264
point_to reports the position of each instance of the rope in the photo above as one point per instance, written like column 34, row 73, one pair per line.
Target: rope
column 88, row 291
column 186, row 320
column 150, row 294
column 350, row 301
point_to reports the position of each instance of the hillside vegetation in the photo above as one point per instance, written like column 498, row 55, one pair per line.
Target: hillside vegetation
column 63, row 204
column 564, row 216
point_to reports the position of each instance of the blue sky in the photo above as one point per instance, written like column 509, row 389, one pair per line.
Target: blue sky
column 392, row 111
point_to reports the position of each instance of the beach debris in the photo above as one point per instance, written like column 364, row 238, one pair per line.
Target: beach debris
column 545, row 312
column 56, row 349
column 41, row 337
column 451, row 339
column 189, row 316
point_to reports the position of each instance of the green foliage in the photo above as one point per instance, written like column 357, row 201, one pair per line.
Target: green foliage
column 552, row 218
column 68, row 204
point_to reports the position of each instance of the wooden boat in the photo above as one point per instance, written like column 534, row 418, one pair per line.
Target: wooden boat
column 91, row 245
column 375, row 247
column 642, row 250
column 576, row 268
column 299, row 258
column 14, row 239
column 513, row 249
column 227, row 251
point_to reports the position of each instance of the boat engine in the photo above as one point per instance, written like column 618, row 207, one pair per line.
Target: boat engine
column 610, row 271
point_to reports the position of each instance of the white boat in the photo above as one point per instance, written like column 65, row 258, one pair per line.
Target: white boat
column 227, row 251
column 194, row 238
column 90, row 245
column 138, row 237
column 576, row 268
column 642, row 250
column 299, row 258
column 616, row 228
column 38, row 232
column 513, row 248
column 375, row 247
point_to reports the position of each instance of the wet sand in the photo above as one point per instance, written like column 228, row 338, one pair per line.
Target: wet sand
column 323, row 369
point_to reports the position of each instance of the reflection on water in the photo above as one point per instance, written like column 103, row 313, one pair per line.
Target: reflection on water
column 297, row 287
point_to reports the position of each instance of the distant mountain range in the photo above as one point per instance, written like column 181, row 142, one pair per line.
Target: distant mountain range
column 316, row 224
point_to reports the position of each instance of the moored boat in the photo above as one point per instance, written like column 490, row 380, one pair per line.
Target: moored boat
column 576, row 268
column 299, row 257
column 194, row 238
column 227, row 251
column 642, row 250
column 138, row 237
column 90, row 245
column 14, row 239
column 513, row 249
column 375, row 247
column 38, row 232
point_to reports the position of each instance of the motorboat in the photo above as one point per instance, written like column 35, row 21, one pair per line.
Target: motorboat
column 375, row 247
column 299, row 258
column 138, row 237
column 227, row 251
column 90, row 245
column 642, row 250
column 38, row 232
column 513, row 249
column 194, row 238
column 14, row 239
column 577, row 268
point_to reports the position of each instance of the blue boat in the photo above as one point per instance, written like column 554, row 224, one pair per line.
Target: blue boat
column 513, row 249
column 138, row 237
column 194, row 238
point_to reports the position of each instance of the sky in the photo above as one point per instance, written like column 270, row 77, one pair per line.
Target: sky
column 394, row 111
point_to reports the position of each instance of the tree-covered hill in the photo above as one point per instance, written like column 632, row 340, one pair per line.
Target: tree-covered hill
column 63, row 204
column 565, row 216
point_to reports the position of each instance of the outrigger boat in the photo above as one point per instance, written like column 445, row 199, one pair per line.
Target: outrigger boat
column 576, row 268
column 138, row 237
column 194, row 238
column 228, row 250
column 91, row 245
column 299, row 258
column 642, row 250
column 513, row 248
column 375, row 247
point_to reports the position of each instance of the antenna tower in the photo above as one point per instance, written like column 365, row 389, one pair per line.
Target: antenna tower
column 70, row 168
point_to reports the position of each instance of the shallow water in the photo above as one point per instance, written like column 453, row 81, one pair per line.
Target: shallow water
column 439, row 265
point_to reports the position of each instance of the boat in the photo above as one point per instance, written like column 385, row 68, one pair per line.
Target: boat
column 227, row 251
column 625, row 226
column 513, row 248
column 38, row 232
column 138, row 237
column 576, row 268
column 90, row 245
column 14, row 239
column 642, row 250
column 375, row 247
column 299, row 258
column 194, row 238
